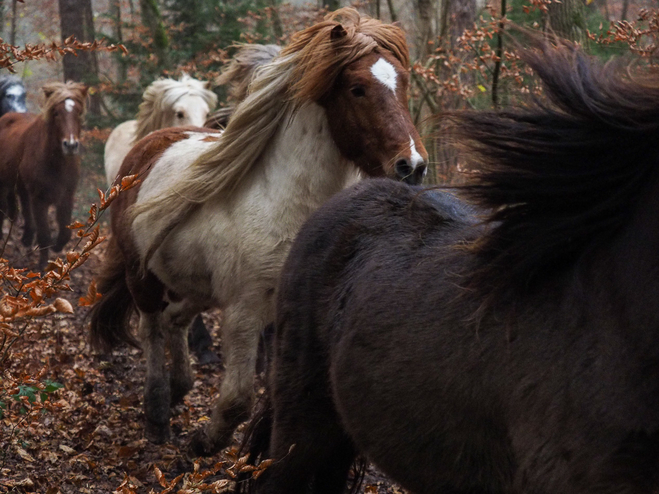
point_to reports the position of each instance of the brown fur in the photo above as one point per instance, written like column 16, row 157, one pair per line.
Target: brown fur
column 35, row 165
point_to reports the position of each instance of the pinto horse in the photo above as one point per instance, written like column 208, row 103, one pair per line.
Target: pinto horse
column 165, row 103
column 12, row 95
column 519, row 354
column 215, row 214
column 40, row 161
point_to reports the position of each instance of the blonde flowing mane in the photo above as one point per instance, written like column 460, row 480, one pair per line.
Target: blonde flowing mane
column 56, row 92
column 160, row 97
column 305, row 71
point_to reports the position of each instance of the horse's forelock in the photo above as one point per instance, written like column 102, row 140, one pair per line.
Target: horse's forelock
column 319, row 58
column 57, row 92
column 161, row 95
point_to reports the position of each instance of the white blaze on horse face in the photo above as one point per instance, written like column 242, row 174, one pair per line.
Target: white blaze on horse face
column 69, row 105
column 416, row 158
column 384, row 72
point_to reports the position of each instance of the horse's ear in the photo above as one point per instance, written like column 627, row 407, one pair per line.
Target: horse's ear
column 207, row 84
column 338, row 32
column 47, row 91
column 397, row 24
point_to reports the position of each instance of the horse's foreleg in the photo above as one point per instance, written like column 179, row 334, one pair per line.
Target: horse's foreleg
column 64, row 210
column 176, row 320
column 240, row 335
column 40, row 211
column 26, row 208
column 156, row 388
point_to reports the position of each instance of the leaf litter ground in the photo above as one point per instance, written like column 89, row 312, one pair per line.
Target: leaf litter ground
column 92, row 439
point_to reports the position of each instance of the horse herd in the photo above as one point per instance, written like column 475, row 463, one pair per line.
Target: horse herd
column 499, row 337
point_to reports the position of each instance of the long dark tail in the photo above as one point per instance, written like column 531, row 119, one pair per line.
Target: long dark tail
column 110, row 316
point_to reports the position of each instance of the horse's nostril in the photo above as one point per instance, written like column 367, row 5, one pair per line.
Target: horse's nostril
column 403, row 168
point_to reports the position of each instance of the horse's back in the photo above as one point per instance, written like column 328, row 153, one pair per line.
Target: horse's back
column 119, row 143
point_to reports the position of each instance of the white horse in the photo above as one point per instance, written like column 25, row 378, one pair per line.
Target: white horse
column 213, row 218
column 165, row 103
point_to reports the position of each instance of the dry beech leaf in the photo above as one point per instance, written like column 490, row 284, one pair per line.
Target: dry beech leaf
column 24, row 454
column 64, row 306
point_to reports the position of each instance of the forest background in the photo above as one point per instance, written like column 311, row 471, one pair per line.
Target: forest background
column 71, row 421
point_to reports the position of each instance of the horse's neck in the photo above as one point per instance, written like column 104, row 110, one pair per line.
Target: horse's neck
column 303, row 166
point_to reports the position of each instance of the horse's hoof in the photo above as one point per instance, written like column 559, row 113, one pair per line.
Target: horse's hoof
column 202, row 445
column 157, row 433
column 207, row 357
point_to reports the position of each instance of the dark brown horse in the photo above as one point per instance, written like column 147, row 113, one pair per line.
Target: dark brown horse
column 515, row 355
column 40, row 162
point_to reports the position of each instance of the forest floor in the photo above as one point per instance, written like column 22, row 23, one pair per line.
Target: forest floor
column 92, row 441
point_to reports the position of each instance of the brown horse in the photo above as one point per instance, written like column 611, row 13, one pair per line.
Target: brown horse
column 212, row 220
column 515, row 356
column 40, row 161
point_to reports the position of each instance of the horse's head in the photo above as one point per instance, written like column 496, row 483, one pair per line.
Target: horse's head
column 65, row 106
column 172, row 103
column 370, row 121
column 12, row 96
column 189, row 109
column 357, row 69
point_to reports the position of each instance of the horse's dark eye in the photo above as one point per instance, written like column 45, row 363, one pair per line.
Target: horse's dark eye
column 179, row 114
column 358, row 92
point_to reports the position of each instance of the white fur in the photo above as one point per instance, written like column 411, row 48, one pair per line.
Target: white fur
column 230, row 251
column 385, row 73
column 120, row 141
column 415, row 157
column 117, row 146
column 69, row 105
column 15, row 90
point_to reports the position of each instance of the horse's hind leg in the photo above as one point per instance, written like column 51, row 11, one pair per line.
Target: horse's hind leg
column 240, row 335
column 200, row 342
column 177, row 318
column 63, row 215
column 28, row 217
column 322, row 454
column 156, row 387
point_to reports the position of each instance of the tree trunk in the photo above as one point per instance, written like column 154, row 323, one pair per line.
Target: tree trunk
column 568, row 19
column 462, row 14
column 12, row 34
column 152, row 19
column 625, row 8
column 77, row 19
column 426, row 35
column 392, row 11
column 115, row 15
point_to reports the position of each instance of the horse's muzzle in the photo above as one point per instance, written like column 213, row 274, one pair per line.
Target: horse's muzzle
column 406, row 172
column 71, row 146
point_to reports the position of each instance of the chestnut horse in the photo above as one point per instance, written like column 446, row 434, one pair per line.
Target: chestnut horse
column 40, row 161
column 519, row 355
column 215, row 214
column 165, row 103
